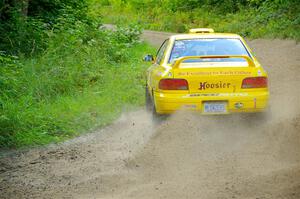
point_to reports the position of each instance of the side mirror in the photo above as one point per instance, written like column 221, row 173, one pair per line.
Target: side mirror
column 148, row 58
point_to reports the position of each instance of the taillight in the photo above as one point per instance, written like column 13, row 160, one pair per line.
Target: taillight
column 173, row 84
column 255, row 82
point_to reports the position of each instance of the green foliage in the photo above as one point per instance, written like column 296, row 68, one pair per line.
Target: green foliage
column 9, row 69
column 25, row 25
column 50, row 9
column 251, row 18
column 60, row 74
column 83, row 80
column 23, row 37
column 122, row 38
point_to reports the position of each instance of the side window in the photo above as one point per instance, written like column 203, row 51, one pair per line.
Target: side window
column 161, row 52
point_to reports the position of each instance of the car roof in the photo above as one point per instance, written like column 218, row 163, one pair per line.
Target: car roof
column 205, row 35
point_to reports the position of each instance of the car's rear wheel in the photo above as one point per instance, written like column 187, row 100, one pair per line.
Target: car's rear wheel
column 149, row 104
column 157, row 117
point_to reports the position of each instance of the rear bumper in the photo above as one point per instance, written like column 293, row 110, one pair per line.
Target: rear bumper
column 236, row 102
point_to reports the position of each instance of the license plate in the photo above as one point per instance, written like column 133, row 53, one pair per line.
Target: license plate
column 215, row 107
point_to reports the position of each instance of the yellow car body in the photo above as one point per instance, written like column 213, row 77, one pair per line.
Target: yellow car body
column 206, row 82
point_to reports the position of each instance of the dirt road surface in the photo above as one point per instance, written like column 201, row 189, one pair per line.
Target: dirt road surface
column 186, row 156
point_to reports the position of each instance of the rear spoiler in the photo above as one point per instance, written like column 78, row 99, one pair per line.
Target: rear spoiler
column 180, row 60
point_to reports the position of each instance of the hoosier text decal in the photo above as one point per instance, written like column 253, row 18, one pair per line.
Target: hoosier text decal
column 205, row 85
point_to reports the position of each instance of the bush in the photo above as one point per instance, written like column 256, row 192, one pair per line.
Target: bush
column 25, row 24
column 60, row 74
column 72, row 86
column 250, row 18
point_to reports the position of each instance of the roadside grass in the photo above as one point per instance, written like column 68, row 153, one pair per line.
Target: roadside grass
column 34, row 118
column 61, row 74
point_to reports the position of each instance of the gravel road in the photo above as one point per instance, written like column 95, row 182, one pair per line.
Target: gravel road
column 185, row 156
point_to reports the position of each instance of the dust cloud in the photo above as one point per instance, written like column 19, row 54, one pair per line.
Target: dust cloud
column 243, row 156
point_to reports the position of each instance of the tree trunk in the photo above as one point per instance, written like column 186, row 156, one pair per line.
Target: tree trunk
column 22, row 6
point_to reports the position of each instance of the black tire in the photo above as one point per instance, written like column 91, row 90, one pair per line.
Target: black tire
column 149, row 104
column 156, row 117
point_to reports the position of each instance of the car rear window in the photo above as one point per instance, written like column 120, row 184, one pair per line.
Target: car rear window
column 202, row 47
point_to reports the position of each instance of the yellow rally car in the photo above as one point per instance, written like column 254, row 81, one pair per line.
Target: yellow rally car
column 213, row 73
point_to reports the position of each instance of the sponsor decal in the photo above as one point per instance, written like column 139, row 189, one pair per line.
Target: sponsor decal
column 215, row 73
column 216, row 94
column 206, row 85
column 203, row 94
column 234, row 94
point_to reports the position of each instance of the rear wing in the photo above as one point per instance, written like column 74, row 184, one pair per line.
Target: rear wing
column 182, row 59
